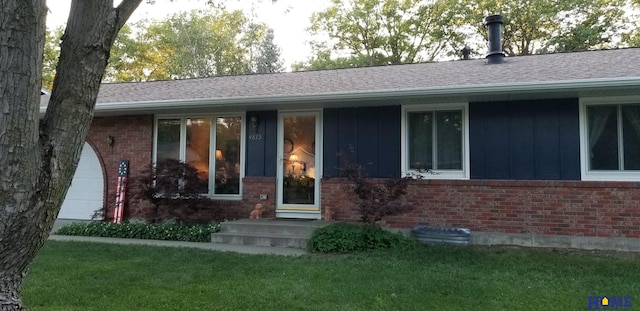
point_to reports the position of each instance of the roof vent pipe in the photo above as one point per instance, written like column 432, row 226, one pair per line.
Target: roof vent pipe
column 494, row 23
column 466, row 52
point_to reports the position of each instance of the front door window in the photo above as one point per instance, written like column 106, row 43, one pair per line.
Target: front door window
column 299, row 165
column 299, row 170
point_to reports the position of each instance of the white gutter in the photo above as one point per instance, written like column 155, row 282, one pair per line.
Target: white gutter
column 484, row 89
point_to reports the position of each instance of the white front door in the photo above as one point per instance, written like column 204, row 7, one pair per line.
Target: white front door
column 299, row 165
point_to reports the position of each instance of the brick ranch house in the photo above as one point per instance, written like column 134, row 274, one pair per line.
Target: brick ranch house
column 532, row 149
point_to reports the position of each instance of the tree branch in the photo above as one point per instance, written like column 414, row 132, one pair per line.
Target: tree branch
column 125, row 9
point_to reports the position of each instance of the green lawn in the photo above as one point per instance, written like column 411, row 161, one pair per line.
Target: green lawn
column 86, row 276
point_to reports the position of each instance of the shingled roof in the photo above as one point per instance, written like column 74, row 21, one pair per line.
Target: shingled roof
column 576, row 71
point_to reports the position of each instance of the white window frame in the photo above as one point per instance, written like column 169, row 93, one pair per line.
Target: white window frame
column 601, row 175
column 404, row 144
column 212, row 142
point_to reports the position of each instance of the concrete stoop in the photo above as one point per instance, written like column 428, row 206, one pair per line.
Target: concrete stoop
column 289, row 233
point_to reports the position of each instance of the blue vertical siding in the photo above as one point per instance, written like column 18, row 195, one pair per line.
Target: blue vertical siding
column 389, row 124
column 495, row 137
column 367, row 140
column 261, row 152
column 547, row 142
column 330, row 148
column 369, row 136
column 347, row 133
column 525, row 140
column 522, row 137
column 570, row 154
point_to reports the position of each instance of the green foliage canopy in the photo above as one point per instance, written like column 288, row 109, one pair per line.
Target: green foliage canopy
column 380, row 32
column 50, row 57
column 268, row 59
column 540, row 26
column 196, row 44
column 186, row 45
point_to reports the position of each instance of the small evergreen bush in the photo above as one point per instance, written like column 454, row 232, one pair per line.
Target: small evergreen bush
column 347, row 238
column 138, row 230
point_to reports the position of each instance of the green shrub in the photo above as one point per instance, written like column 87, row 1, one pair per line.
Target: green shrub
column 374, row 198
column 172, row 190
column 138, row 230
column 347, row 238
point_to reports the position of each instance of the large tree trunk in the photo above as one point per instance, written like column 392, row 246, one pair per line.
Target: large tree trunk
column 37, row 163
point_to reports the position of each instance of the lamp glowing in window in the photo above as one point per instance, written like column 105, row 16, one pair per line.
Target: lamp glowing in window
column 219, row 154
column 293, row 159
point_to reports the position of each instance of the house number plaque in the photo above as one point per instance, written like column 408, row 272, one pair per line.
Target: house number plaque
column 255, row 137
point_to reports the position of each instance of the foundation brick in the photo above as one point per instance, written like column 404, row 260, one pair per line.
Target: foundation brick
column 598, row 209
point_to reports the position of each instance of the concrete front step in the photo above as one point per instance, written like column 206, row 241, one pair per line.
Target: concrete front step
column 268, row 232
column 273, row 226
column 260, row 240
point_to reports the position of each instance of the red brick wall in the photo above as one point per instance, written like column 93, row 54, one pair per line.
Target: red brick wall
column 597, row 209
column 253, row 187
column 132, row 140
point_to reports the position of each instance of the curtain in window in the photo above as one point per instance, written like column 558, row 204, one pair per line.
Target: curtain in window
column 227, row 176
column 603, row 137
column 197, row 146
column 449, row 140
column 168, row 146
column 631, row 136
column 420, row 140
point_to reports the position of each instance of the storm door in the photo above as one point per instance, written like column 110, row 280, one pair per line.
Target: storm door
column 299, row 165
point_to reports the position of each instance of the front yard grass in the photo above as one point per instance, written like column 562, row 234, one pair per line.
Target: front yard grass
column 89, row 276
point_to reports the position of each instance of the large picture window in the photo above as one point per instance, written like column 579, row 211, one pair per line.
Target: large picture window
column 212, row 145
column 613, row 133
column 435, row 141
column 611, row 138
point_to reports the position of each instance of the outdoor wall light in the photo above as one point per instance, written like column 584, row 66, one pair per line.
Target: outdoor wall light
column 254, row 123
column 110, row 140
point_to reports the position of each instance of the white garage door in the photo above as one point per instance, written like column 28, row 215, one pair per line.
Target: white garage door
column 85, row 196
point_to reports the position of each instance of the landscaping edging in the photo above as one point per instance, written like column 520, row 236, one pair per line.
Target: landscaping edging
column 244, row 249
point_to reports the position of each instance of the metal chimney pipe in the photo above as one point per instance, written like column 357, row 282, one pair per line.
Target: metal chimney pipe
column 494, row 23
column 466, row 52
